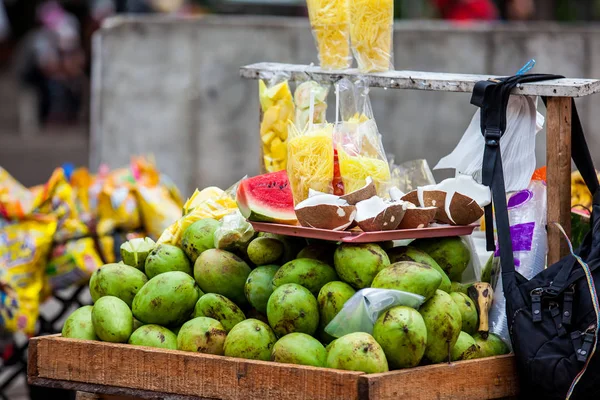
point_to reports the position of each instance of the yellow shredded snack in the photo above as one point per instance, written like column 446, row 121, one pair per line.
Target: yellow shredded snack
column 371, row 30
column 310, row 160
column 330, row 21
column 355, row 170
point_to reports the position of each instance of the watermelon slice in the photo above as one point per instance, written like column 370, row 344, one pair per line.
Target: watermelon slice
column 267, row 198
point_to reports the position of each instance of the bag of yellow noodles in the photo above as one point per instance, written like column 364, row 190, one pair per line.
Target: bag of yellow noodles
column 310, row 157
column 330, row 22
column 371, row 31
column 24, row 247
column 210, row 202
column 277, row 108
column 358, row 141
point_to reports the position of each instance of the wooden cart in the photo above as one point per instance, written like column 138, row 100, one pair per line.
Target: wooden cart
column 116, row 371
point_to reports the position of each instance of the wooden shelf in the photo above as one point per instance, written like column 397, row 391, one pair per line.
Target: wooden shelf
column 419, row 80
column 143, row 372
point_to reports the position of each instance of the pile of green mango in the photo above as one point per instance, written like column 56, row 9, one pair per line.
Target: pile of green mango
column 271, row 297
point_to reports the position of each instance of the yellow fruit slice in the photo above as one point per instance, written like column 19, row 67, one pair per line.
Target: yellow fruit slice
column 267, row 137
column 278, row 149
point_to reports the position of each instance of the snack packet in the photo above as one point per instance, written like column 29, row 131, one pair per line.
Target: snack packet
column 24, row 247
column 71, row 263
column 16, row 201
column 277, row 108
column 118, row 208
column 59, row 199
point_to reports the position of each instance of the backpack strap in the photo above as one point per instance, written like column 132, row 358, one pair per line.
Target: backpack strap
column 492, row 97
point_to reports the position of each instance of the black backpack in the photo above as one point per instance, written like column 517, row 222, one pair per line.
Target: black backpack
column 552, row 318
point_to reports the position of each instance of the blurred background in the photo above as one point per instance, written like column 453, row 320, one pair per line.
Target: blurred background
column 46, row 61
column 92, row 82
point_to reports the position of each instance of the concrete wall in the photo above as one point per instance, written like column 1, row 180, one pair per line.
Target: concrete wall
column 172, row 87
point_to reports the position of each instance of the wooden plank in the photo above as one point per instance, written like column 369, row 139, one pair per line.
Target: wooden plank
column 419, row 80
column 558, row 161
column 488, row 378
column 97, row 396
column 181, row 373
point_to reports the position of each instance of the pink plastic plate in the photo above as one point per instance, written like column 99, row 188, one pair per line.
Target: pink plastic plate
column 363, row 237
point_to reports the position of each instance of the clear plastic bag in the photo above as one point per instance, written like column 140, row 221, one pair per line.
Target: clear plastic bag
column 410, row 175
column 527, row 216
column 310, row 162
column 357, row 140
column 523, row 122
column 330, row 22
column 302, row 96
column 234, row 233
column 362, row 310
column 371, row 33
column 277, row 108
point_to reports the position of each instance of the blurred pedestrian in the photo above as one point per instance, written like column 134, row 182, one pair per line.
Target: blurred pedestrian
column 4, row 24
column 517, row 10
column 467, row 10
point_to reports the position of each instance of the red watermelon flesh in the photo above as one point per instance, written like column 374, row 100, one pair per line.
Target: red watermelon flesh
column 267, row 198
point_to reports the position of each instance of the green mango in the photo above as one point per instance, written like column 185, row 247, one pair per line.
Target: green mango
column 299, row 348
column 331, row 300
column 402, row 334
column 409, row 253
column 409, row 276
column 443, row 321
column 219, row 307
column 357, row 351
column 251, row 339
column 259, row 286
column 199, row 237
column 112, row 319
column 263, row 251
column 79, row 325
column 167, row 299
column 119, row 280
column 222, row 272
column 468, row 312
column 312, row 274
column 319, row 251
column 135, row 251
column 292, row 308
column 166, row 258
column 460, row 287
column 465, row 348
column 492, row 346
column 154, row 336
column 451, row 253
column 357, row 264
column 202, row 335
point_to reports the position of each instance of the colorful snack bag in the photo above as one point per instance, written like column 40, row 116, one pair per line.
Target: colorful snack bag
column 118, row 208
column 24, row 247
column 72, row 263
column 277, row 108
column 330, row 22
column 16, row 201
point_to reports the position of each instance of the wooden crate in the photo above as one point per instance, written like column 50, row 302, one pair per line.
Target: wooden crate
column 141, row 372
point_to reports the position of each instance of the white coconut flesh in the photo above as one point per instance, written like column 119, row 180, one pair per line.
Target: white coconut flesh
column 396, row 194
column 319, row 199
column 369, row 208
column 313, row 193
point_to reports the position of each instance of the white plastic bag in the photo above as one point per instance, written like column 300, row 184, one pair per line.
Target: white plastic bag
column 362, row 310
column 517, row 145
column 527, row 216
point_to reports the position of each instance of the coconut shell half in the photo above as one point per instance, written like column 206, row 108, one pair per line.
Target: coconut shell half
column 364, row 193
column 416, row 218
column 411, row 197
column 386, row 220
column 326, row 216
column 464, row 210
column 437, row 198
